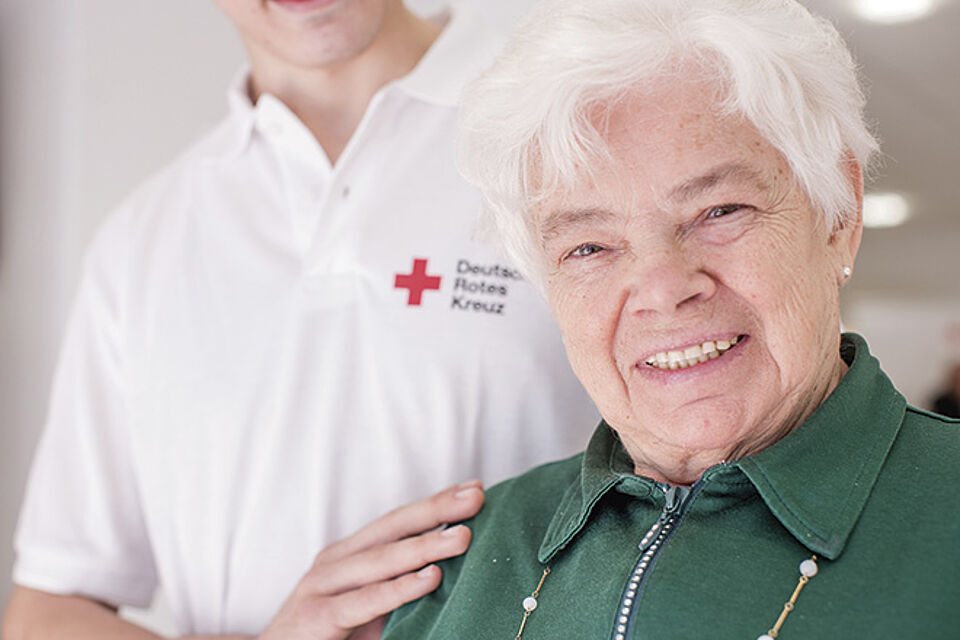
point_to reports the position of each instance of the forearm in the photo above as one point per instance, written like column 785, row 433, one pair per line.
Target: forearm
column 35, row 615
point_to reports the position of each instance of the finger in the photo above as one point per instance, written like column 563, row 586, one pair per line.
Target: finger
column 387, row 561
column 356, row 608
column 453, row 504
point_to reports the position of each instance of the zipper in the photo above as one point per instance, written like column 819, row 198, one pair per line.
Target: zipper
column 675, row 499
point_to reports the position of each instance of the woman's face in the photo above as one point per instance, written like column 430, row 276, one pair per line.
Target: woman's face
column 695, row 242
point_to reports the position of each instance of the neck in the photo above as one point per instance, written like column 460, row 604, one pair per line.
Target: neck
column 331, row 100
column 683, row 467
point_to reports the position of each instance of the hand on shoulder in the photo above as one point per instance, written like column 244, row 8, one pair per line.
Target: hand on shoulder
column 354, row 583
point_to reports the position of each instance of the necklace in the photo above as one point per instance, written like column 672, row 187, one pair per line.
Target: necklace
column 530, row 602
column 808, row 569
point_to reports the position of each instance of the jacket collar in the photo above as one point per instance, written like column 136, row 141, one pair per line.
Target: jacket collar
column 815, row 481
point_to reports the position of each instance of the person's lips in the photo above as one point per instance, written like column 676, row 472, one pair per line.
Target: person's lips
column 303, row 5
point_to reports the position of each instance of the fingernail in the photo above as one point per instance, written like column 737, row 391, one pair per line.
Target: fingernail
column 452, row 531
column 465, row 493
column 426, row 572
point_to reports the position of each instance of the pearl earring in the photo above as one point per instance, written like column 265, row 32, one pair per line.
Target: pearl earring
column 847, row 272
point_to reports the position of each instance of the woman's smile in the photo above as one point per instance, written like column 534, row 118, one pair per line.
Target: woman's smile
column 692, row 355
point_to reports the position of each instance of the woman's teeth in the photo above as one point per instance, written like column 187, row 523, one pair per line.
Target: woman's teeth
column 689, row 356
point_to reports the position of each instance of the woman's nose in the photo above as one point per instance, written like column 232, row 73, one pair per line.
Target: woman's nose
column 666, row 279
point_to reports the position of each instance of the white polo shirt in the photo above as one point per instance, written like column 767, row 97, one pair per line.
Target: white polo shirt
column 267, row 352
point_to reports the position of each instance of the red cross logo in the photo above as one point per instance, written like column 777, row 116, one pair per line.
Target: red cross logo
column 416, row 282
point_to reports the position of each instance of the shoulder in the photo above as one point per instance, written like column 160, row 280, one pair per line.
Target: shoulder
column 172, row 184
column 923, row 419
column 538, row 492
column 930, row 443
column 502, row 557
column 518, row 512
column 919, row 473
column 931, row 433
column 913, row 512
column 139, row 218
column 188, row 169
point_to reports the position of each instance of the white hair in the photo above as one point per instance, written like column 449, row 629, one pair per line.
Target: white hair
column 526, row 125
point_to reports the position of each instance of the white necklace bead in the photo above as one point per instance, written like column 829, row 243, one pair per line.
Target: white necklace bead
column 529, row 603
column 808, row 568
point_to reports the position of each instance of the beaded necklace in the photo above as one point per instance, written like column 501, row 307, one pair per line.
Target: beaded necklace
column 808, row 569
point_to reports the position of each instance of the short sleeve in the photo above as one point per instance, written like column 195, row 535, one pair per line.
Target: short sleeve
column 81, row 528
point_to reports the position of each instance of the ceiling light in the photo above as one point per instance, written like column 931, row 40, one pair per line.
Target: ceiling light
column 885, row 210
column 892, row 11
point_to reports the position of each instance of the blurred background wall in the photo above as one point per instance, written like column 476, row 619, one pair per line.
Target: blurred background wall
column 96, row 95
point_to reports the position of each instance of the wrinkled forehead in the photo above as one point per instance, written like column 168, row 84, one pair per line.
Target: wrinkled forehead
column 664, row 144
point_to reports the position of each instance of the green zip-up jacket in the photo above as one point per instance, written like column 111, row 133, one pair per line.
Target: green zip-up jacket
column 867, row 484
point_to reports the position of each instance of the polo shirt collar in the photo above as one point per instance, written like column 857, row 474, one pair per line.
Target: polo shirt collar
column 242, row 113
column 274, row 118
column 238, row 92
column 815, row 481
column 466, row 47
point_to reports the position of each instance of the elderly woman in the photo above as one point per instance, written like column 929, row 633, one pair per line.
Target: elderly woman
column 683, row 178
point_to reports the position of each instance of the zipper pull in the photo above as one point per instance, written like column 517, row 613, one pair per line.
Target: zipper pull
column 674, row 497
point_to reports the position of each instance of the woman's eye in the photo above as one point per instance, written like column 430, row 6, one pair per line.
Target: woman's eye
column 723, row 210
column 584, row 250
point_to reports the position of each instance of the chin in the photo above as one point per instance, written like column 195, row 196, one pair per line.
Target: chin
column 705, row 429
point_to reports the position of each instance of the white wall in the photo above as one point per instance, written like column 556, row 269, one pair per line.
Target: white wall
column 28, row 266
column 94, row 95
column 916, row 339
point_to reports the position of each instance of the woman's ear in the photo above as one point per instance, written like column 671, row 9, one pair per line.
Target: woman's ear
column 848, row 231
